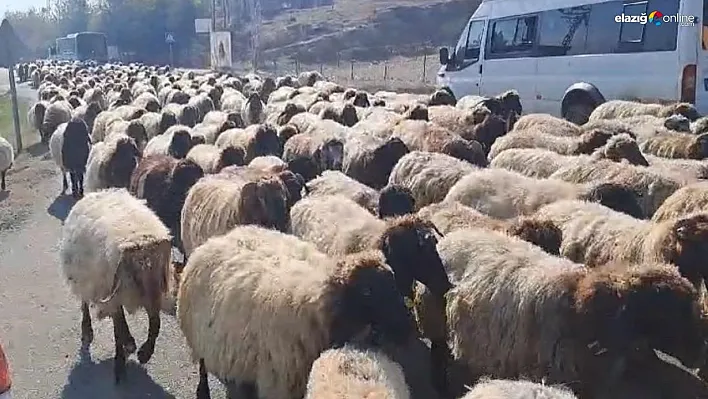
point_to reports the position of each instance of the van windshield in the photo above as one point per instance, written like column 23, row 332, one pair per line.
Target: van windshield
column 704, row 32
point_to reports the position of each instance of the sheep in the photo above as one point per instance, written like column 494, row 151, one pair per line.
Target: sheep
column 213, row 159
column 511, row 389
column 542, row 163
column 622, row 109
column 569, row 324
column 219, row 117
column 504, row 105
column 488, row 131
column 115, row 254
column 100, row 125
column 256, row 141
column 163, row 182
column 535, row 138
column 221, row 201
column 677, row 145
column 128, row 112
column 203, row 104
column 252, row 110
column 325, row 151
column 428, row 175
column 395, row 200
column 7, row 159
column 699, row 126
column 157, row 123
column 370, row 159
column 426, row 136
column 686, row 171
column 324, row 303
column 187, row 115
column 268, row 163
column 57, row 113
column 684, row 201
column 133, row 129
column 111, row 163
column 35, row 116
column 332, row 182
column 69, row 146
column 596, row 235
column 280, row 114
column 504, row 194
column 548, row 124
column 309, row 78
column 212, row 132
column 449, row 216
column 176, row 142
column 653, row 188
column 351, row 372
column 87, row 113
column 147, row 101
column 338, row 226
column 342, row 113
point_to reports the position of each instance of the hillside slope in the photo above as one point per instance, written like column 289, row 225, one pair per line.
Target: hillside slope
column 364, row 30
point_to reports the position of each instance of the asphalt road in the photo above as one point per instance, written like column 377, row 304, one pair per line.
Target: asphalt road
column 39, row 318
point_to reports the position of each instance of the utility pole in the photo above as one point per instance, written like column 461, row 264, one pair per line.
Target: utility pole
column 256, row 32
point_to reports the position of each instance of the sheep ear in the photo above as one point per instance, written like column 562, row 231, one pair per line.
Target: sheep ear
column 682, row 233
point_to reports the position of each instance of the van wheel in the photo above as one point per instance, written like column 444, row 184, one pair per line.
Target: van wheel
column 579, row 112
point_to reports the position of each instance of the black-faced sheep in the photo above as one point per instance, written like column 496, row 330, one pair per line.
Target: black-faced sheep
column 219, row 202
column 253, row 110
column 115, row 254
column 133, row 129
column 426, row 136
column 622, row 109
column 7, row 158
column 428, row 175
column 505, row 105
column 596, row 235
column 570, row 324
column 370, row 159
column 203, row 104
column 677, row 145
column 148, row 102
column 342, row 113
column 187, row 115
column 157, row 123
column 213, row 159
column 211, row 132
column 69, row 146
column 35, row 116
column 653, row 188
column 325, row 151
column 325, row 303
column 163, row 182
column 111, row 163
column 395, row 200
column 535, row 138
column 219, row 117
column 176, row 142
column 352, row 372
column 256, row 141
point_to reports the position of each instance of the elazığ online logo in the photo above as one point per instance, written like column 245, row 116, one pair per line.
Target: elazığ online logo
column 656, row 18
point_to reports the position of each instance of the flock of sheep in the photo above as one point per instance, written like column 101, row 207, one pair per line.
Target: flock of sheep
column 344, row 244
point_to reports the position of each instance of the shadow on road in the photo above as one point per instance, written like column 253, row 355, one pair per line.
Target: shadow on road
column 38, row 149
column 95, row 380
column 61, row 206
column 4, row 195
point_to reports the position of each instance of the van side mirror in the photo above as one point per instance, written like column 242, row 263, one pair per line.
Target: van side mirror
column 444, row 56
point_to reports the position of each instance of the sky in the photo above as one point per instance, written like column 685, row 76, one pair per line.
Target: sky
column 13, row 5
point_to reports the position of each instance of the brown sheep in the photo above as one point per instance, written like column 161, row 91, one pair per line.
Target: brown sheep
column 677, row 145
column 535, row 138
column 370, row 159
column 426, row 136
column 256, row 141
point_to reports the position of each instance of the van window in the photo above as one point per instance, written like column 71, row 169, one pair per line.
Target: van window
column 474, row 40
column 603, row 30
column 513, row 35
column 632, row 32
column 662, row 37
column 563, row 31
column 705, row 25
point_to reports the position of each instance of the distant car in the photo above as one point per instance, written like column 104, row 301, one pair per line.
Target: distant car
column 5, row 380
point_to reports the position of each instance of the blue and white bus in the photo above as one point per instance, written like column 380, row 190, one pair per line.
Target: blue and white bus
column 82, row 46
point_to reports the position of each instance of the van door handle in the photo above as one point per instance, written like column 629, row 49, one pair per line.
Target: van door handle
column 480, row 68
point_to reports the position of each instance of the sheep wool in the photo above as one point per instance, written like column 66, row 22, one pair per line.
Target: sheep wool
column 548, row 124
column 428, row 175
column 623, row 109
column 510, row 389
column 263, row 310
column 354, row 373
column 111, row 235
column 7, row 158
column 332, row 182
column 686, row 200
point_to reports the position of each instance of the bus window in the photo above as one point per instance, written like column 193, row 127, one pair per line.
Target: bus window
column 474, row 41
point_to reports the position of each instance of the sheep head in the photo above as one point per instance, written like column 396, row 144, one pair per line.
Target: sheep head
column 361, row 99
column 367, row 301
column 330, row 155
column 264, row 202
column 122, row 162
column 542, row 233
column 685, row 109
column 409, row 245
column 184, row 175
column 699, row 148
column 180, row 144
column 167, row 120
column 591, row 140
column 230, row 156
column 383, row 159
column 288, row 112
column 685, row 244
column 620, row 147
column 136, row 131
column 470, row 151
column 417, row 112
column 678, row 123
column 285, row 132
column 442, row 97
column 295, row 184
column 511, row 102
column 622, row 307
column 304, row 166
column 615, row 196
column 349, row 116
column 395, row 200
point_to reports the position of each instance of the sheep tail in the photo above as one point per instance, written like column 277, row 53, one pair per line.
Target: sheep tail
column 114, row 290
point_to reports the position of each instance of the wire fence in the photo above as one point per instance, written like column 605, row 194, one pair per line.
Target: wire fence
column 415, row 74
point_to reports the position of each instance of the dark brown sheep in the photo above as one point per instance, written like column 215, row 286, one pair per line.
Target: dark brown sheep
column 487, row 131
column 395, row 200
column 326, row 152
column 344, row 114
column 541, row 233
column 164, row 183
column 75, row 149
column 288, row 111
column 370, row 159
column 617, row 197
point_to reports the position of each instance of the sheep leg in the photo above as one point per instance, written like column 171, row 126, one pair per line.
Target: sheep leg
column 3, row 186
column 440, row 354
column 119, row 370
column 86, row 328
column 74, row 184
column 148, row 348
column 203, row 387
column 126, row 338
column 80, row 184
column 64, row 183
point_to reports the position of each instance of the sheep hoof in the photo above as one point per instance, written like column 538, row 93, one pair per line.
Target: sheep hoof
column 119, row 370
column 145, row 353
column 203, row 391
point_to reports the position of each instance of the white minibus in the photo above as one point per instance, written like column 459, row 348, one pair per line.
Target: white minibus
column 565, row 57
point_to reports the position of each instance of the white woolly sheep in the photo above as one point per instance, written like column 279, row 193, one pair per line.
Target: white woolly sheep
column 428, row 175
column 252, row 110
column 354, row 373
column 596, row 235
column 234, row 302
column 268, row 163
column 686, row 200
column 677, row 145
column 7, row 158
column 420, row 135
column 511, row 389
column 115, row 254
column 548, row 124
column 609, row 310
column 176, row 142
column 535, row 138
column 57, row 113
column 685, row 171
column 212, row 158
column 332, row 182
column 256, row 141
column 622, row 109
